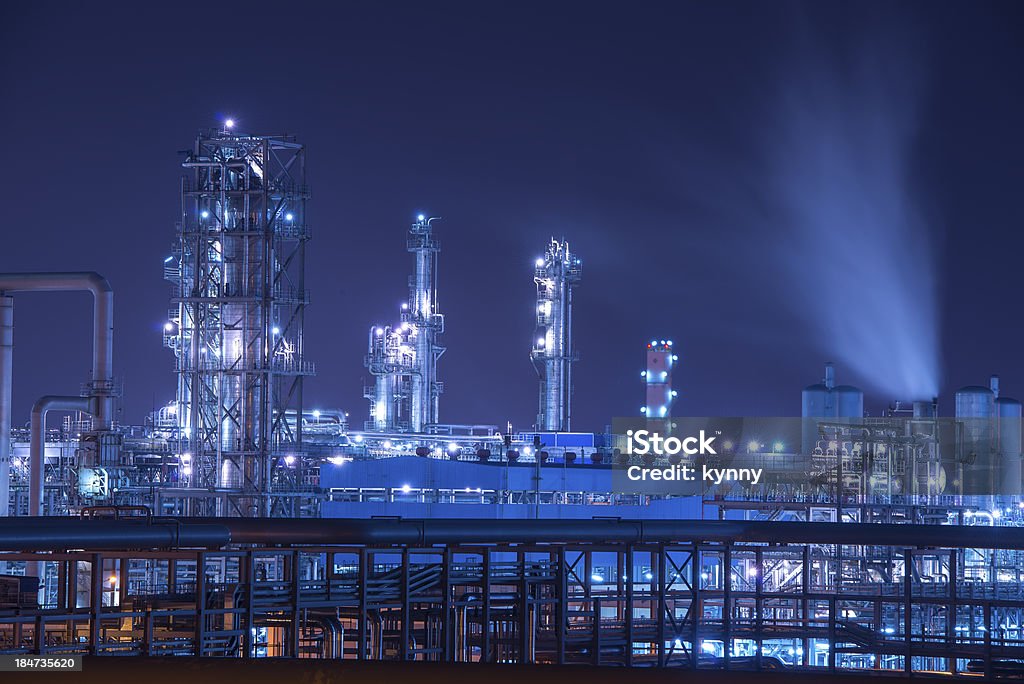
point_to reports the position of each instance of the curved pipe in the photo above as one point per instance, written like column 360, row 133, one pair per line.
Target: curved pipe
column 37, row 447
column 102, row 327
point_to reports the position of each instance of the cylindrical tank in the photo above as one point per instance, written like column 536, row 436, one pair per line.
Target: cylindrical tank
column 925, row 409
column 849, row 402
column 976, row 410
column 817, row 401
column 1008, row 434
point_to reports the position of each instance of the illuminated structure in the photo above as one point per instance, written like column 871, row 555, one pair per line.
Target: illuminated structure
column 403, row 359
column 236, row 320
column 658, row 383
column 556, row 274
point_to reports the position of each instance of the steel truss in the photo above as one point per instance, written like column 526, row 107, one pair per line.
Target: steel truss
column 236, row 325
column 894, row 607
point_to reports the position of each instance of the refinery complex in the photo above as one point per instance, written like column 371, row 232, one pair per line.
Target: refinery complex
column 239, row 522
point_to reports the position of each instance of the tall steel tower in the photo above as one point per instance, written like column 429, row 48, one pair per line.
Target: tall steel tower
column 403, row 358
column 236, row 320
column 659, row 394
column 556, row 274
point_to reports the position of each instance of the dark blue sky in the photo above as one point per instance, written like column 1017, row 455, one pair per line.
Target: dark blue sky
column 652, row 136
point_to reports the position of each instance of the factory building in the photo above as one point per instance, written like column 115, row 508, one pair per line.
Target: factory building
column 556, row 275
column 512, row 547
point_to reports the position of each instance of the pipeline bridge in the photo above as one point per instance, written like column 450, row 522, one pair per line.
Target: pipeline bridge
column 703, row 595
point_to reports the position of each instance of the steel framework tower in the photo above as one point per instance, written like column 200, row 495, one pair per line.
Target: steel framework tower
column 236, row 323
column 556, row 274
column 403, row 359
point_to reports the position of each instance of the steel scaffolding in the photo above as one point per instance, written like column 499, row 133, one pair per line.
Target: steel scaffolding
column 897, row 599
column 236, row 323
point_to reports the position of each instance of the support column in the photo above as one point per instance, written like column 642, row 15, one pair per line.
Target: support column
column 6, row 379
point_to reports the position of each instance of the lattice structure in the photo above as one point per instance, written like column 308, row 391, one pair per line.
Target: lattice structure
column 236, row 323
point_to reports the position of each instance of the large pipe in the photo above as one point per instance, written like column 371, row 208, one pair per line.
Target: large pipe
column 49, row 533
column 37, row 446
column 103, row 331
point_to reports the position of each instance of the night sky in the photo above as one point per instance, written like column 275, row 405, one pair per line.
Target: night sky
column 770, row 185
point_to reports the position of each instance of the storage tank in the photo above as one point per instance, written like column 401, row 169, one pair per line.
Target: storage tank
column 849, row 402
column 1008, row 444
column 976, row 411
column 825, row 400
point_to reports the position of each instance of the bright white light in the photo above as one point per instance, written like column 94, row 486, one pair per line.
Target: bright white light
column 596, row 578
column 289, row 216
column 406, row 489
column 752, row 572
column 670, row 343
column 779, row 446
column 643, row 374
column 527, row 451
column 643, row 409
column 675, row 358
column 453, row 447
column 229, row 123
column 405, row 306
column 187, row 470
column 289, row 460
column 185, row 458
column 648, row 576
column 275, row 330
column 387, row 444
column 996, row 513
column 358, row 438
column 168, row 259
column 675, row 394
column 168, row 326
column 662, row 411
column 707, row 647
column 336, row 460
column 316, row 414
column 540, row 341
column 379, row 331
column 539, row 262
column 420, row 217
column 204, row 214
column 753, row 445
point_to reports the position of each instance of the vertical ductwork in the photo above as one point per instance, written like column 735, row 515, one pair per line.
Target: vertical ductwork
column 6, row 373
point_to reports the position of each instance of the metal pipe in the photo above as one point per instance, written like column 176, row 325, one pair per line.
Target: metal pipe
column 52, row 533
column 101, row 387
column 6, row 376
column 61, row 533
column 37, row 446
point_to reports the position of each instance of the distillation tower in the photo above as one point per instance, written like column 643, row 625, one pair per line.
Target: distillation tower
column 403, row 359
column 236, row 322
column 659, row 394
column 556, row 274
